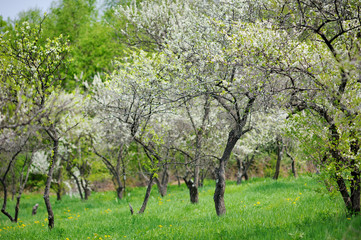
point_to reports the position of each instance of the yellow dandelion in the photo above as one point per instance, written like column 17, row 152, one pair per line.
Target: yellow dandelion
column 300, row 193
column 36, row 222
column 67, row 238
column 70, row 217
column 168, row 200
column 294, row 202
column 125, row 236
column 45, row 219
column 258, row 203
column 348, row 218
column 160, row 226
column 78, row 216
column 68, row 210
column 254, row 204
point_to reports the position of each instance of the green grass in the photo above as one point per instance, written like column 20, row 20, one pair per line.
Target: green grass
column 258, row 209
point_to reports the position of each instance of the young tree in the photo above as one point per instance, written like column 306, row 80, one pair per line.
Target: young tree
column 129, row 98
column 35, row 62
column 13, row 144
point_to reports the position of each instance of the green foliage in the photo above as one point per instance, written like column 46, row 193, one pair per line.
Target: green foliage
column 259, row 209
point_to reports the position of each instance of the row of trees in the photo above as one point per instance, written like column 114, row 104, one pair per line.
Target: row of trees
column 198, row 82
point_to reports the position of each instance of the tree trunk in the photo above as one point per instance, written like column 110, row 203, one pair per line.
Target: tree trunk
column 245, row 174
column 48, row 183
column 240, row 170
column 193, row 190
column 84, row 185
column 355, row 191
column 3, row 209
column 77, row 184
column 163, row 184
column 3, row 182
column 221, row 174
column 60, row 185
column 13, row 190
column 120, row 191
column 293, row 162
column 147, row 194
column 279, row 157
column 120, row 188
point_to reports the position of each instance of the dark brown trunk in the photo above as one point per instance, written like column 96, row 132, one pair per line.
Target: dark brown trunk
column 202, row 176
column 84, row 184
column 162, row 188
column 221, row 174
column 58, row 195
column 147, row 194
column 220, row 189
column 59, row 185
column 193, row 190
column 120, row 191
column 245, row 174
column 163, row 184
column 78, row 185
column 2, row 180
column 239, row 172
column 279, row 157
column 13, row 178
column 344, row 193
column 48, row 183
column 293, row 163
column 355, row 191
column 17, row 207
column 355, row 174
column 334, row 139
column 3, row 209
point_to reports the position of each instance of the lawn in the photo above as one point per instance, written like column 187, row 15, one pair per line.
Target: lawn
column 259, row 209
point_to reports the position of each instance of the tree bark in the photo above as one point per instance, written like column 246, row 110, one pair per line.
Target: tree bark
column 293, row 163
column 3, row 182
column 3, row 209
column 355, row 190
column 120, row 191
column 77, row 184
column 48, row 183
column 84, row 185
column 221, row 174
column 13, row 190
column 193, row 190
column 147, row 194
column 239, row 172
column 59, row 185
column 279, row 157
column 163, row 184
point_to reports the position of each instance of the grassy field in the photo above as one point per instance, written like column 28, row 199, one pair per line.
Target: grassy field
column 258, row 209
